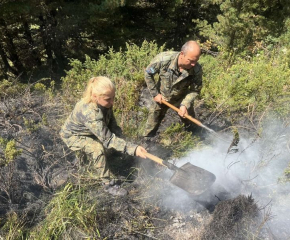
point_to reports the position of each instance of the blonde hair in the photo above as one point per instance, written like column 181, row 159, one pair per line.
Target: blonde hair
column 96, row 87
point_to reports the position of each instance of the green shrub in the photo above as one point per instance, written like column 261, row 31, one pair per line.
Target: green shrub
column 11, row 88
column 40, row 87
column 45, row 86
column 128, row 65
column 30, row 125
column 10, row 151
column 125, row 68
column 258, row 82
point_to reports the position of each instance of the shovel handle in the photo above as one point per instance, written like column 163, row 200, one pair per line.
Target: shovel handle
column 154, row 158
column 187, row 116
column 160, row 161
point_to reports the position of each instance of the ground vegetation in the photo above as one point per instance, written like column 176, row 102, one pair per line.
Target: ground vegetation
column 48, row 51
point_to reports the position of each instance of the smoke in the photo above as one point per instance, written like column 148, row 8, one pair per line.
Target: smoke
column 256, row 168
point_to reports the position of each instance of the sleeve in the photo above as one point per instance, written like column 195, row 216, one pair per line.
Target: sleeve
column 194, row 88
column 150, row 71
column 95, row 122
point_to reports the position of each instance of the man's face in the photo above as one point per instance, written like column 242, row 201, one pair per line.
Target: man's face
column 188, row 60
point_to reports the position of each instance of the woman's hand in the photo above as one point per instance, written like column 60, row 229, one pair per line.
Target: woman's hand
column 140, row 152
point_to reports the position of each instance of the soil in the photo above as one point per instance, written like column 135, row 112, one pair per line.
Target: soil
column 45, row 166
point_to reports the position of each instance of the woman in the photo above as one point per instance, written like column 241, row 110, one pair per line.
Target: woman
column 91, row 128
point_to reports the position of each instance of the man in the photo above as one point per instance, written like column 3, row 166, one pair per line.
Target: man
column 179, row 82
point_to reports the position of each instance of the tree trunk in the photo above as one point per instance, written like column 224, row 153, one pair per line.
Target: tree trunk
column 11, row 50
column 46, row 39
column 5, row 61
column 29, row 39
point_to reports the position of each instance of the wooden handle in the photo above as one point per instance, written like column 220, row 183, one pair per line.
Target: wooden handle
column 154, row 158
column 187, row 116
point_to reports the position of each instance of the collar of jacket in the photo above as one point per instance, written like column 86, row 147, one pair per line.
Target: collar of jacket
column 174, row 64
column 103, row 109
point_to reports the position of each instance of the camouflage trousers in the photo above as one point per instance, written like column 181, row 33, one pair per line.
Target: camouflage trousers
column 91, row 155
column 157, row 113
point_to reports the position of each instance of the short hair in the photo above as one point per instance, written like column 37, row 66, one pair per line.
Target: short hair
column 188, row 46
column 99, row 86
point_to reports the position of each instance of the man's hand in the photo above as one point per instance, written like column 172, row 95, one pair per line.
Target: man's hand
column 182, row 111
column 140, row 152
column 158, row 98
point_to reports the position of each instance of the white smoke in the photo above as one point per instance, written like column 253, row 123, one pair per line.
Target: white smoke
column 257, row 168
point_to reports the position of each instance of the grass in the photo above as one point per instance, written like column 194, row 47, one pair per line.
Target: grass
column 70, row 210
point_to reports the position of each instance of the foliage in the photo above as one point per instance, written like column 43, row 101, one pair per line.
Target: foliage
column 44, row 119
column 180, row 141
column 242, row 26
column 9, row 88
column 8, row 179
column 10, row 151
column 42, row 88
column 69, row 210
column 125, row 68
column 14, row 227
column 37, row 40
column 30, row 125
column 284, row 43
column 256, row 82
column 51, row 90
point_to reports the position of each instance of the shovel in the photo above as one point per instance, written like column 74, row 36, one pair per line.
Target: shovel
column 233, row 143
column 188, row 177
column 188, row 117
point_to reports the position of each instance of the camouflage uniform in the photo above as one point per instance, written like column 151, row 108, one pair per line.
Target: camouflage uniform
column 178, row 88
column 92, row 129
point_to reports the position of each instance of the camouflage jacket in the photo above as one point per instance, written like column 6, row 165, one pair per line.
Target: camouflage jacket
column 171, row 83
column 89, row 119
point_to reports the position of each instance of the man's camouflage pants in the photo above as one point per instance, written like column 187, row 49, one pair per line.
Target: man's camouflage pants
column 157, row 113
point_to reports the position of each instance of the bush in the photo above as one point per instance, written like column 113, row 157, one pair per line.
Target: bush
column 257, row 82
column 9, row 150
column 11, row 88
column 125, row 68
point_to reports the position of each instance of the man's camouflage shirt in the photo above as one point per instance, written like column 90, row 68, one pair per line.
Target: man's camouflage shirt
column 171, row 83
column 89, row 119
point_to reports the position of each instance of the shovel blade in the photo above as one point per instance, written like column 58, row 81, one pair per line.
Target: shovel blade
column 193, row 179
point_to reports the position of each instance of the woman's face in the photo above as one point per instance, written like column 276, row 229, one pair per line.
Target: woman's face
column 106, row 100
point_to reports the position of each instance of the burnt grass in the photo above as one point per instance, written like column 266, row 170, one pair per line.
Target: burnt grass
column 45, row 166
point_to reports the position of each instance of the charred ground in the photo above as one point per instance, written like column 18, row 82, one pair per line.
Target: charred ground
column 45, row 167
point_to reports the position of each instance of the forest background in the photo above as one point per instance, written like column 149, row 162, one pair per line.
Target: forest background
column 63, row 43
column 246, row 43
column 54, row 47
